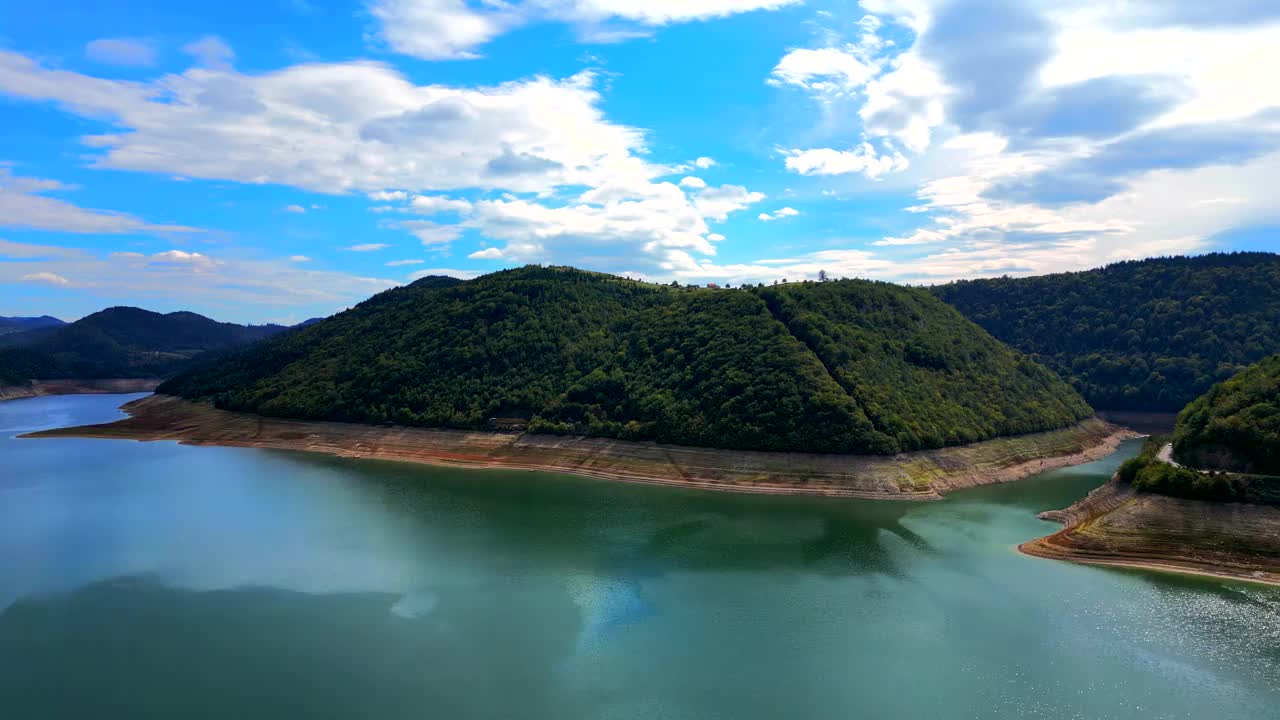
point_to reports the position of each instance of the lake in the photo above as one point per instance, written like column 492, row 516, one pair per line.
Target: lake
column 152, row 580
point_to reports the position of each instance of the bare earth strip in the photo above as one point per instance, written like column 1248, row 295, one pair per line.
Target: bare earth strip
column 77, row 387
column 919, row 475
column 1116, row 525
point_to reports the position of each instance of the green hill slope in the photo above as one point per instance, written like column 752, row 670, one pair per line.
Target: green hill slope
column 839, row 367
column 1145, row 335
column 120, row 342
column 1236, row 425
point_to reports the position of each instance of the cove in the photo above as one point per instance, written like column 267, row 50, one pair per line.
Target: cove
column 153, row 580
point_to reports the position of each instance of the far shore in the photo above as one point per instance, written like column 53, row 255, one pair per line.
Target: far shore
column 1117, row 526
column 922, row 475
column 107, row 386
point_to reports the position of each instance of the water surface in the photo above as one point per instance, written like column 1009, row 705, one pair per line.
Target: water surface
column 152, row 580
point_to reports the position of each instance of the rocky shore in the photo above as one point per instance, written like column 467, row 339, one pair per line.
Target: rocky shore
column 1119, row 526
column 916, row 475
column 78, row 387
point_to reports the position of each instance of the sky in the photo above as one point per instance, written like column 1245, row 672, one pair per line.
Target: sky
column 284, row 159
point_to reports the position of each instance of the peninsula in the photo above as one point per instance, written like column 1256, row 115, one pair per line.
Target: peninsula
column 1189, row 510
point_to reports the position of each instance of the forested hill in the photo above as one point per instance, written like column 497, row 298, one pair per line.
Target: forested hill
column 1236, row 425
column 120, row 342
column 10, row 325
column 847, row 366
column 1143, row 335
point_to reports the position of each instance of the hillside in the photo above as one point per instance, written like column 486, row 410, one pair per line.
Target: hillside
column 1236, row 425
column 850, row 366
column 119, row 342
column 10, row 325
column 1144, row 335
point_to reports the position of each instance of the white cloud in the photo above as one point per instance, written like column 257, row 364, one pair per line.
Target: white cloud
column 24, row 204
column 456, row 29
column 295, row 209
column 401, row 263
column 299, row 258
column 439, row 29
column 696, row 183
column 862, row 159
column 367, row 247
column 45, row 277
column 430, row 233
column 121, row 51
column 704, row 162
column 716, row 203
column 823, row 70
column 780, row 214
column 486, row 254
column 906, row 103
column 435, row 204
column 340, row 127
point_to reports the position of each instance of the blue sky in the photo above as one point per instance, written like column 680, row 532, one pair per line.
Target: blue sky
column 282, row 159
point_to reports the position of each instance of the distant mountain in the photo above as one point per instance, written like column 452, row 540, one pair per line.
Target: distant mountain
column 847, row 366
column 1144, row 335
column 120, row 342
column 22, row 324
column 1236, row 425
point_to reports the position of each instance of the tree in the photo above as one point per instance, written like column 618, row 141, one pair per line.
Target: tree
column 822, row 276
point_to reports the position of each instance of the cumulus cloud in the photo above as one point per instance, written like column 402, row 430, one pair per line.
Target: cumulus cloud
column 486, row 254
column 340, row 127
column 823, row 70
column 862, row 159
column 704, row 162
column 696, row 183
column 25, row 205
column 439, row 29
column 121, row 51
column 436, row 204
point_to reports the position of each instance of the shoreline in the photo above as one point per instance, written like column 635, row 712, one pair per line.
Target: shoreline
column 106, row 386
column 1116, row 526
column 921, row 475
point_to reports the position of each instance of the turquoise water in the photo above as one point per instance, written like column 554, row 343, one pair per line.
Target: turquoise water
column 152, row 580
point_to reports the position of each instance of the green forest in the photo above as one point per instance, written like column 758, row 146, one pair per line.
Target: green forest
column 1147, row 473
column 1236, row 425
column 847, row 366
column 1142, row 335
column 119, row 342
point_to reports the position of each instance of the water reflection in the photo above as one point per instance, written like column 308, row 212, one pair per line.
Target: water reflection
column 156, row 580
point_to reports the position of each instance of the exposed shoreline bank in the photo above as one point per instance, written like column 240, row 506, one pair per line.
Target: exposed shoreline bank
column 920, row 475
column 78, row 387
column 1117, row 526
